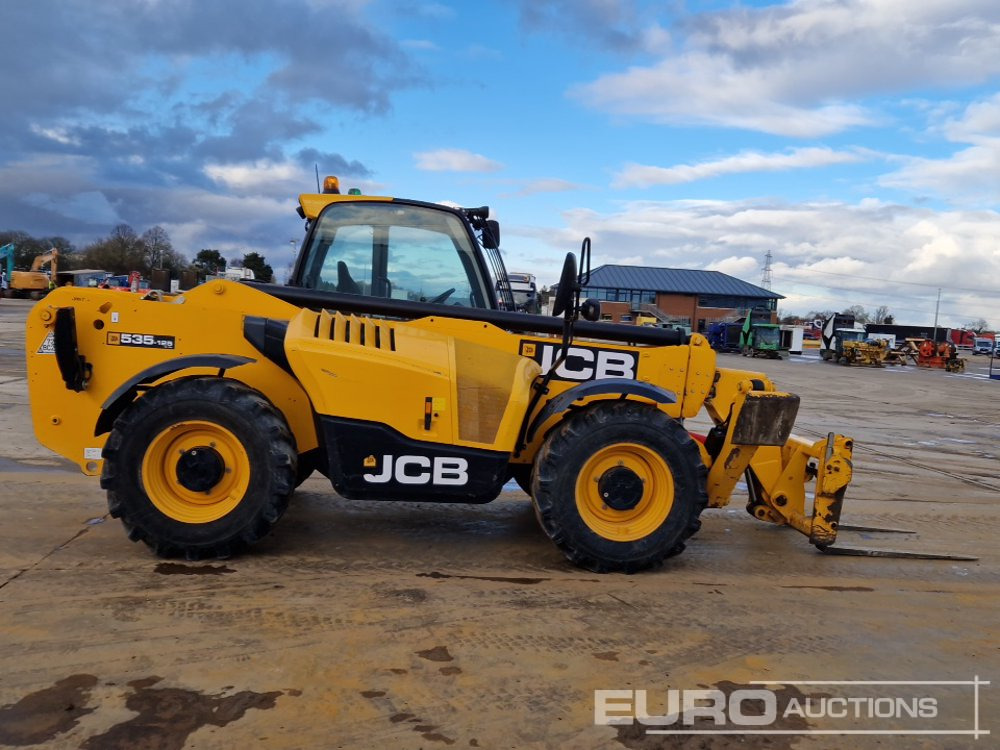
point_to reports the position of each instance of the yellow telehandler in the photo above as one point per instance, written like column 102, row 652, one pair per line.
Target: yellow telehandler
column 395, row 365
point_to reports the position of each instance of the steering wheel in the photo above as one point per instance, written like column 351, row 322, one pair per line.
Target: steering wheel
column 443, row 296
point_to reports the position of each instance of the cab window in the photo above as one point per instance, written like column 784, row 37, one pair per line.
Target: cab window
column 394, row 251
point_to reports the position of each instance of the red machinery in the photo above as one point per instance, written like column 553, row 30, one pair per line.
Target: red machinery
column 943, row 355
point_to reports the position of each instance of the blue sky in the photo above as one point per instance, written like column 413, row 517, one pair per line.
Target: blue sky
column 858, row 141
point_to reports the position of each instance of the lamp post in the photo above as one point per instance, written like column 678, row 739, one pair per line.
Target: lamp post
column 937, row 307
column 291, row 263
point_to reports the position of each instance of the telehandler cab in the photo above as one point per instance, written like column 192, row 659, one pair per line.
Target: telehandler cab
column 390, row 365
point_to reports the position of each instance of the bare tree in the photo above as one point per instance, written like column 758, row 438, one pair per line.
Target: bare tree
column 859, row 313
column 978, row 326
column 882, row 315
column 157, row 243
column 159, row 251
column 120, row 252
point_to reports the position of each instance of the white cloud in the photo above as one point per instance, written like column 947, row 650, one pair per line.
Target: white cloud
column 792, row 69
column 260, row 175
column 969, row 175
column 825, row 255
column 643, row 176
column 546, row 185
column 455, row 160
column 59, row 135
column 743, row 267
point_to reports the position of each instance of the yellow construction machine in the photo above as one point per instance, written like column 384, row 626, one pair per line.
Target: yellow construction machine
column 868, row 352
column 390, row 365
column 35, row 283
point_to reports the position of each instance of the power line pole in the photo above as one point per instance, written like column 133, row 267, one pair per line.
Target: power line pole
column 765, row 279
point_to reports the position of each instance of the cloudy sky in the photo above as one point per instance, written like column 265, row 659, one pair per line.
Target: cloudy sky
column 856, row 140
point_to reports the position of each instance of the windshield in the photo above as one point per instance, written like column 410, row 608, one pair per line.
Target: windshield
column 767, row 335
column 394, row 251
column 847, row 334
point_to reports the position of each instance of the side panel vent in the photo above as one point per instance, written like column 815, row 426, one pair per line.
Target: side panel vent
column 352, row 329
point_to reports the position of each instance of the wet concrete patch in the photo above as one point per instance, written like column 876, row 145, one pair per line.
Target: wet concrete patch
column 635, row 736
column 410, row 596
column 174, row 569
column 497, row 579
column 168, row 716
column 831, row 588
column 41, row 716
column 438, row 653
column 47, row 467
column 425, row 729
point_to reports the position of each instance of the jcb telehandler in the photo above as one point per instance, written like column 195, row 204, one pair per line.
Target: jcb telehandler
column 390, row 365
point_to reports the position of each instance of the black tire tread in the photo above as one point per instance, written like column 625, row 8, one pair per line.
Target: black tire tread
column 578, row 429
column 268, row 423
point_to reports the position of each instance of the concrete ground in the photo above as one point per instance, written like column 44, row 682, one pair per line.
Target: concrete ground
column 362, row 625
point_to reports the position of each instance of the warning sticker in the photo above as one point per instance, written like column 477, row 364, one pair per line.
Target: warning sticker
column 49, row 345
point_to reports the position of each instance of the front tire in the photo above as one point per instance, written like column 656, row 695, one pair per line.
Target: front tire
column 199, row 468
column 619, row 486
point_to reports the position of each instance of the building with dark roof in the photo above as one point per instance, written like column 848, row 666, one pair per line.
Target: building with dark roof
column 682, row 296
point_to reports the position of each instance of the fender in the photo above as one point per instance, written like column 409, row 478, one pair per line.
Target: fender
column 125, row 393
column 606, row 386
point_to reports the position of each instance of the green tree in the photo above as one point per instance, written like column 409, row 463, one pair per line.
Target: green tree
column 258, row 264
column 209, row 261
column 27, row 247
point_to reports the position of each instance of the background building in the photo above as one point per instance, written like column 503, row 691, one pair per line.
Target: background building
column 675, row 295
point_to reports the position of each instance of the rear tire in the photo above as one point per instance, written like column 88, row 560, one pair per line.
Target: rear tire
column 199, row 468
column 619, row 486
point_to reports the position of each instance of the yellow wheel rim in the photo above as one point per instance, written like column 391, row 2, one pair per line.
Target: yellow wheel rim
column 655, row 496
column 174, row 446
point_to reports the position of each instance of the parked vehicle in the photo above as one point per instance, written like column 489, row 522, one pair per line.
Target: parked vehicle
column 388, row 366
column 983, row 345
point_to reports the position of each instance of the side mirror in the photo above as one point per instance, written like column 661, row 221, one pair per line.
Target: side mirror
column 491, row 234
column 568, row 286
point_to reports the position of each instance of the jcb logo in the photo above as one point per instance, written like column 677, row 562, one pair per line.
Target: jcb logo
column 442, row 470
column 582, row 362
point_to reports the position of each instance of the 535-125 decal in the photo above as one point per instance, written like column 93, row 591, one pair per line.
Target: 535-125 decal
column 143, row 340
